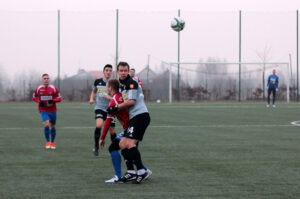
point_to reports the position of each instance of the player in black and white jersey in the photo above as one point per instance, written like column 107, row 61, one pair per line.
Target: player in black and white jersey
column 100, row 97
column 139, row 119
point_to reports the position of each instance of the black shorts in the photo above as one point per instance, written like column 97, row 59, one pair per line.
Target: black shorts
column 100, row 114
column 137, row 126
column 103, row 115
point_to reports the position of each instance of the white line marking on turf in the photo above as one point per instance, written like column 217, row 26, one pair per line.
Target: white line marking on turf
column 296, row 123
column 170, row 126
column 221, row 107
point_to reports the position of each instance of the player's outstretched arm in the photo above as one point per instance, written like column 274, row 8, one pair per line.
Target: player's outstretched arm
column 35, row 96
column 104, row 132
column 127, row 103
column 92, row 97
column 57, row 97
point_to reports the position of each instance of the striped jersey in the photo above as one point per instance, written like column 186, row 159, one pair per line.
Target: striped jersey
column 45, row 93
column 100, row 88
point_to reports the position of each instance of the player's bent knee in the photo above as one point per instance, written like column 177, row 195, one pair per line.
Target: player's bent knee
column 47, row 124
column 122, row 146
column 131, row 144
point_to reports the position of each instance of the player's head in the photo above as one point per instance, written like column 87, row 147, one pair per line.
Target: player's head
column 274, row 72
column 113, row 86
column 107, row 71
column 123, row 70
column 132, row 72
column 45, row 79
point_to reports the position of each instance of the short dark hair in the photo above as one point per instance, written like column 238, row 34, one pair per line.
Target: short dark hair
column 107, row 66
column 114, row 83
column 122, row 63
column 45, row 74
column 132, row 69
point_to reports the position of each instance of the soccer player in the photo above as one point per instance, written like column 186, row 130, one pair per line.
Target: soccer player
column 47, row 95
column 123, row 117
column 272, row 85
column 132, row 75
column 139, row 119
column 99, row 92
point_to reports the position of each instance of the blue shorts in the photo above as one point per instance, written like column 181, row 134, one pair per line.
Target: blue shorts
column 48, row 116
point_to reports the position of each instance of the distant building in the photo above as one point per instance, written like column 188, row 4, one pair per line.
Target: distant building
column 143, row 75
column 78, row 87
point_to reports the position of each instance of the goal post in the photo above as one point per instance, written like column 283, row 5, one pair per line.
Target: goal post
column 256, row 69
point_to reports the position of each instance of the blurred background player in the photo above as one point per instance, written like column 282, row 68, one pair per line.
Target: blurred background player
column 139, row 119
column 123, row 117
column 47, row 95
column 100, row 97
column 272, row 85
column 132, row 75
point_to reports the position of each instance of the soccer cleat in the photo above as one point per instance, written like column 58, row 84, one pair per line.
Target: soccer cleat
column 274, row 106
column 115, row 179
column 268, row 105
column 95, row 152
column 53, row 145
column 48, row 145
column 128, row 177
column 142, row 177
column 149, row 172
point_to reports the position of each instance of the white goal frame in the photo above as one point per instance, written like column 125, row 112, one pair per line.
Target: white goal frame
column 171, row 64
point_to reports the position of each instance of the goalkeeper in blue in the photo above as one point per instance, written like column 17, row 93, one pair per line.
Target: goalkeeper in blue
column 272, row 85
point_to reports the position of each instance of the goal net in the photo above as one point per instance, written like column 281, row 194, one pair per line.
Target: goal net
column 226, row 81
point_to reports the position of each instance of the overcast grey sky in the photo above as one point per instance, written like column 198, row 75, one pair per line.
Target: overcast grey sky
column 199, row 5
column 28, row 33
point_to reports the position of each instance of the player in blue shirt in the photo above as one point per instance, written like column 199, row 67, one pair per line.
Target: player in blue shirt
column 272, row 85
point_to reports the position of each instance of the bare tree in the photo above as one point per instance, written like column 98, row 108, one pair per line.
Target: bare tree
column 264, row 56
column 4, row 83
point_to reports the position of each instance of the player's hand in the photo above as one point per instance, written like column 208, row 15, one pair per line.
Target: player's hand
column 50, row 103
column 112, row 109
column 92, row 101
column 42, row 104
column 101, row 144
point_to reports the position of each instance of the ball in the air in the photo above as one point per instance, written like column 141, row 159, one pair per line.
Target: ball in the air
column 177, row 24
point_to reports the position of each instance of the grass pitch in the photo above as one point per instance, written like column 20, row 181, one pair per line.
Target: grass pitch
column 201, row 150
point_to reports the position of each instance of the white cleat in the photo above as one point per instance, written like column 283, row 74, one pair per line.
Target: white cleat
column 268, row 105
column 274, row 106
column 113, row 180
column 149, row 173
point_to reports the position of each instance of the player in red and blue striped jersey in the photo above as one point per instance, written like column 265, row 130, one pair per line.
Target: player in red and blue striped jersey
column 47, row 95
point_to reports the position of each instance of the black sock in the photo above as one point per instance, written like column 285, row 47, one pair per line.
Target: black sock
column 113, row 136
column 128, row 160
column 136, row 157
column 97, row 137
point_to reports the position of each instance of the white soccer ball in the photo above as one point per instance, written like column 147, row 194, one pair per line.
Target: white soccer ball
column 177, row 24
column 158, row 101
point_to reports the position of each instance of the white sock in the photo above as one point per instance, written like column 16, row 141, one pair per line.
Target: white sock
column 141, row 171
column 131, row 171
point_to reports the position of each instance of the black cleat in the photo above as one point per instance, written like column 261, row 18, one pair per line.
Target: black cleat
column 128, row 177
column 142, row 177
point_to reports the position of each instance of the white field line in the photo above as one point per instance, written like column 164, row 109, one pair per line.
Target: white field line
column 171, row 126
column 296, row 123
column 167, row 106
